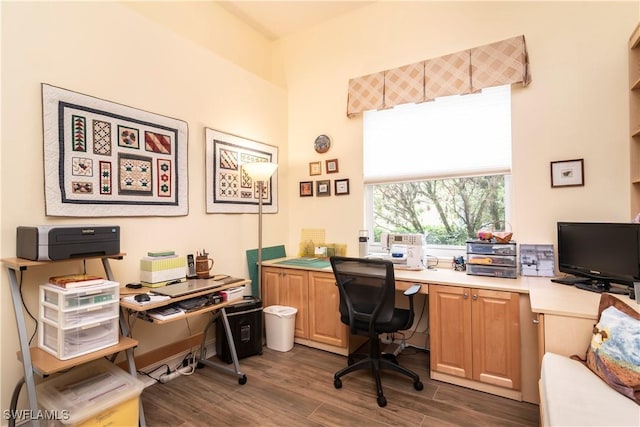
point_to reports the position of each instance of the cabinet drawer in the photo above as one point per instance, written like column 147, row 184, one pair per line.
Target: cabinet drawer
column 488, row 248
column 73, row 299
column 79, row 317
column 499, row 260
column 67, row 343
column 489, row 270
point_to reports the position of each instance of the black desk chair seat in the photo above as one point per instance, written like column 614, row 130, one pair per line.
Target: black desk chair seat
column 367, row 305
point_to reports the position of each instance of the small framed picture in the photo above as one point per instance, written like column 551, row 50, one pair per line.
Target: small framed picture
column 323, row 188
column 567, row 173
column 332, row 166
column 315, row 168
column 306, row 188
column 342, row 186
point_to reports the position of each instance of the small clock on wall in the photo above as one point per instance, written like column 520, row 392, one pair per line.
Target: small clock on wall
column 322, row 144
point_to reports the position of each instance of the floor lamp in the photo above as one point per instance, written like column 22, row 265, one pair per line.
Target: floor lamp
column 260, row 172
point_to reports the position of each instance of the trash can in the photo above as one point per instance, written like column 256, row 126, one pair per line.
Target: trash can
column 280, row 322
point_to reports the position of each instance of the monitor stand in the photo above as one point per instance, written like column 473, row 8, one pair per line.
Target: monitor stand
column 600, row 286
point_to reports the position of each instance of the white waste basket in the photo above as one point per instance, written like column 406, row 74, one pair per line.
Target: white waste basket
column 280, row 322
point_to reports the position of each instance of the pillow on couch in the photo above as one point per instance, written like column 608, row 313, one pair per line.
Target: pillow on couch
column 614, row 352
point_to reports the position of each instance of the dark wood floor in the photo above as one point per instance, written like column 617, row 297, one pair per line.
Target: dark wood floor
column 295, row 388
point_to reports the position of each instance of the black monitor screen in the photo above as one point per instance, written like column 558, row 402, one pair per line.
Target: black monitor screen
column 601, row 251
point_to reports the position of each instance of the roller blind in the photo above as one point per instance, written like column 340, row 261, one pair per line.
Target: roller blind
column 461, row 135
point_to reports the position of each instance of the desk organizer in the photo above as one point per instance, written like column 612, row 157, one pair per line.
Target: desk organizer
column 489, row 258
column 155, row 272
column 73, row 322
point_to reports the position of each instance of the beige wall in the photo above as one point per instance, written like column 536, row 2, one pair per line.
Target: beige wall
column 576, row 107
column 111, row 51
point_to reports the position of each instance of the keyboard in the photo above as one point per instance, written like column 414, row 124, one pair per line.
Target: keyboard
column 569, row 280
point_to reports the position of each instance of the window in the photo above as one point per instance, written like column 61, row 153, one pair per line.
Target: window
column 439, row 168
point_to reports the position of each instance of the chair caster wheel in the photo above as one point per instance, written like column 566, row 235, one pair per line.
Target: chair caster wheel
column 242, row 380
column 382, row 401
column 418, row 385
column 337, row 383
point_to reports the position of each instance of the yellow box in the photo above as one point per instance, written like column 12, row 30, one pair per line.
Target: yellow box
column 124, row 414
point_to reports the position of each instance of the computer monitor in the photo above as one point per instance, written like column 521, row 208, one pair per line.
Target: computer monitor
column 603, row 252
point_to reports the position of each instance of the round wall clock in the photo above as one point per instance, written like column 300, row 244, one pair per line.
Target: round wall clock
column 322, row 144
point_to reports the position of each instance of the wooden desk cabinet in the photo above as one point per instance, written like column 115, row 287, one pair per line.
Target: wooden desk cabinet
column 475, row 335
column 316, row 297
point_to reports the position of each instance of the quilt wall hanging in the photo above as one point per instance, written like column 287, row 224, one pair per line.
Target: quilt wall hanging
column 107, row 159
column 229, row 188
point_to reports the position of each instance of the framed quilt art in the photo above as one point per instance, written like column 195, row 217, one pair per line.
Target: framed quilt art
column 229, row 188
column 106, row 159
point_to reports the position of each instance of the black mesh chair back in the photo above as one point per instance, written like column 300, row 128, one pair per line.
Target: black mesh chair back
column 367, row 293
column 367, row 305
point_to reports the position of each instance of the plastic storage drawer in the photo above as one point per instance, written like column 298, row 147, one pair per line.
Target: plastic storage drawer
column 79, row 317
column 95, row 394
column 68, row 343
column 87, row 296
column 494, row 271
column 494, row 260
column 488, row 248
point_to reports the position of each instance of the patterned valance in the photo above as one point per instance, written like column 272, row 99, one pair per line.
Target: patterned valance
column 468, row 71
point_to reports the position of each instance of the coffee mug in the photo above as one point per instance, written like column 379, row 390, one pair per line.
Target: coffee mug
column 203, row 266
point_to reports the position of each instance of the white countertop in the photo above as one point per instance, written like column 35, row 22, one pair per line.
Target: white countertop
column 545, row 296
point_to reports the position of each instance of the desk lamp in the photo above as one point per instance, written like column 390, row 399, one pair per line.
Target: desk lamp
column 260, row 172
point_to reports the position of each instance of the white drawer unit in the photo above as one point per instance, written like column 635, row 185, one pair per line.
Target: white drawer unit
column 78, row 321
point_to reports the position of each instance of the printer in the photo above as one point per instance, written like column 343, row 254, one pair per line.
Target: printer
column 57, row 242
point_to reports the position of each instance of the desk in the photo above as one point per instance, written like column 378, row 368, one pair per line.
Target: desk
column 135, row 309
column 37, row 360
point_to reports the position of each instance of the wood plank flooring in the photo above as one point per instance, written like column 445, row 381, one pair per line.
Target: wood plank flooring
column 295, row 388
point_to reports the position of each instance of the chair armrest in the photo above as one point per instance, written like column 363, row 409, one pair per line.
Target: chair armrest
column 412, row 290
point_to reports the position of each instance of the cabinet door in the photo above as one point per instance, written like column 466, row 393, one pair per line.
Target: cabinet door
column 324, row 312
column 271, row 286
column 496, row 337
column 294, row 293
column 450, row 326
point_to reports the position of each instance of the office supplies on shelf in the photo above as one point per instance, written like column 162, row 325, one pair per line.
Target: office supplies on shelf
column 192, row 304
column 70, row 281
column 167, row 312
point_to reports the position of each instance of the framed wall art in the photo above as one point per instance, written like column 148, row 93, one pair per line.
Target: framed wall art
column 106, row 159
column 323, row 188
column 567, row 173
column 315, row 168
column 332, row 166
column 229, row 188
column 306, row 188
column 341, row 186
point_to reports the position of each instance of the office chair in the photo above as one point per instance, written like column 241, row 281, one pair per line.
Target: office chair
column 367, row 305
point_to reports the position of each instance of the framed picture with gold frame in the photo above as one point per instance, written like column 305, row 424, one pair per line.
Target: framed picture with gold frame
column 315, row 168
column 331, row 166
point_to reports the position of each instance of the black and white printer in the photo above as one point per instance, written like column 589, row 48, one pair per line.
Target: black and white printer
column 57, row 242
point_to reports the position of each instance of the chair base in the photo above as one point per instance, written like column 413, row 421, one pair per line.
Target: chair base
column 376, row 362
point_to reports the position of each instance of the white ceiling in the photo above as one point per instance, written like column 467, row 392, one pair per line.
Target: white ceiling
column 277, row 19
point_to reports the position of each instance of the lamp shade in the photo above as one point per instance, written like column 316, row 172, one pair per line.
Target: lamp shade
column 260, row 171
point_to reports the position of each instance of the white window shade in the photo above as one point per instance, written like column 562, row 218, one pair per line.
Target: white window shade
column 462, row 135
